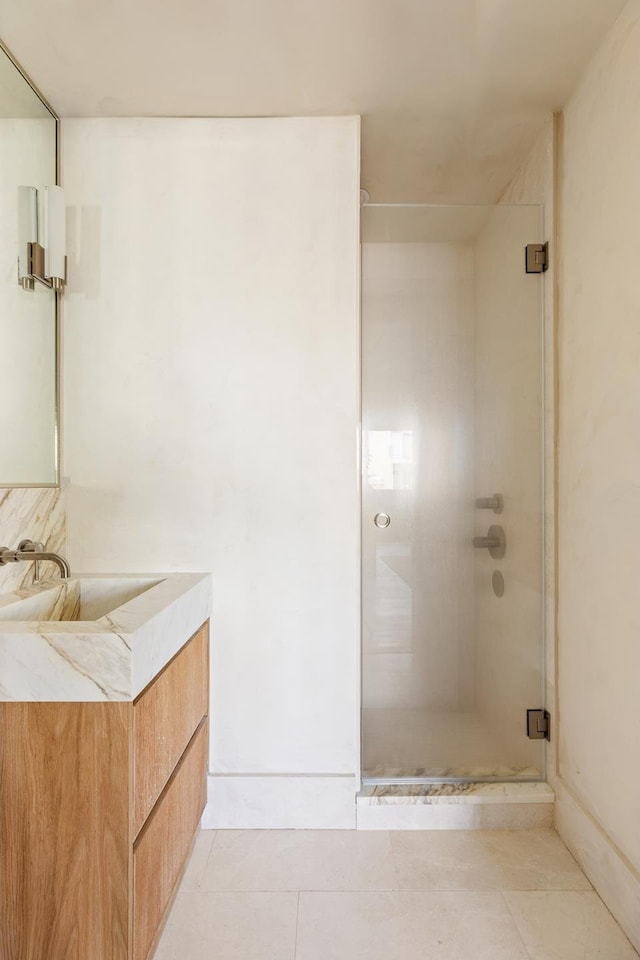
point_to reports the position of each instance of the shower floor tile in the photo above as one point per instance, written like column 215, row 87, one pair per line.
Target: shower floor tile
column 349, row 895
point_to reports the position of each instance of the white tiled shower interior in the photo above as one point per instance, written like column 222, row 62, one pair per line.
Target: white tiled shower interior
column 417, row 355
column 452, row 363
column 349, row 895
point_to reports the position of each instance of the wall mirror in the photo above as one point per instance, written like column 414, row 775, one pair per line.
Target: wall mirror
column 28, row 317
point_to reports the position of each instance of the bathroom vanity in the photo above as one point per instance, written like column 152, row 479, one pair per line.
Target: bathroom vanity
column 103, row 760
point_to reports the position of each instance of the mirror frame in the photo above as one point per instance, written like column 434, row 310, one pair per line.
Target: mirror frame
column 57, row 358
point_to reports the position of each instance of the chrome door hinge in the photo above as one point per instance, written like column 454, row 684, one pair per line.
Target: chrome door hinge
column 538, row 725
column 536, row 259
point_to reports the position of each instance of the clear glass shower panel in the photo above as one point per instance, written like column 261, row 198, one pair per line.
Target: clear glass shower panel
column 452, row 496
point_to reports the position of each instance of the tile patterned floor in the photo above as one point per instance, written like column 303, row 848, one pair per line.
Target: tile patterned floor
column 348, row 895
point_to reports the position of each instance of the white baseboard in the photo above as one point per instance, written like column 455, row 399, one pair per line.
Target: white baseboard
column 613, row 877
column 280, row 803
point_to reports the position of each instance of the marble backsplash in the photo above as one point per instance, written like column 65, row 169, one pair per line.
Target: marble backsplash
column 37, row 513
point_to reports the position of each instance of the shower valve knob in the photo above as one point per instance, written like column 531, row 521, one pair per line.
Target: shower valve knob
column 495, row 542
column 495, row 503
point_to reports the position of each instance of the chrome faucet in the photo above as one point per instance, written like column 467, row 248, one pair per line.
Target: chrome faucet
column 32, row 550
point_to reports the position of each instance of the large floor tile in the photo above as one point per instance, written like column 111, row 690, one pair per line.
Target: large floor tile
column 198, row 861
column 300, row 860
column 230, row 926
column 406, row 925
column 568, row 926
column 485, row 860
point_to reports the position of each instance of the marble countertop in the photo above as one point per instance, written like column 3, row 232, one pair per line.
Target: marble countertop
column 96, row 636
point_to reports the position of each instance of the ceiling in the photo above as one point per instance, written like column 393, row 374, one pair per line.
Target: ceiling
column 452, row 92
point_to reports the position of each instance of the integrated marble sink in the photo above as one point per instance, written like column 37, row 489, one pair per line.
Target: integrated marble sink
column 75, row 599
column 96, row 636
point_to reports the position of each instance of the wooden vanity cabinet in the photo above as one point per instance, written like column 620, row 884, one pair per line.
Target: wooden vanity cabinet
column 99, row 807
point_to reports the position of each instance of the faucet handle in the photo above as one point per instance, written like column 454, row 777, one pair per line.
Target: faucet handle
column 32, row 546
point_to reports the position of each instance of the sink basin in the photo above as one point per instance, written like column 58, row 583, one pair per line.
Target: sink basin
column 96, row 636
column 74, row 600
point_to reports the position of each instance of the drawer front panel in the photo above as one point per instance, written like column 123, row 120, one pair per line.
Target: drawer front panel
column 164, row 719
column 64, row 820
column 161, row 850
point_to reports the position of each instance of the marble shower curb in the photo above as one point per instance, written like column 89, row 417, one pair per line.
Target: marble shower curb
column 468, row 806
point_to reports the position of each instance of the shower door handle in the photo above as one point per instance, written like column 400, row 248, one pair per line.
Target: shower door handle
column 382, row 520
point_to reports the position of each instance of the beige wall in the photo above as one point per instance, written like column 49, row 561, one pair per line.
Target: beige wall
column 599, row 471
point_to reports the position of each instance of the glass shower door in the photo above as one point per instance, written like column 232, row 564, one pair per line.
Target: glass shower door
column 452, row 497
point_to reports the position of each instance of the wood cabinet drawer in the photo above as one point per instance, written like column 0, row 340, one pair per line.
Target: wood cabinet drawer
column 64, row 841
column 161, row 850
column 164, row 719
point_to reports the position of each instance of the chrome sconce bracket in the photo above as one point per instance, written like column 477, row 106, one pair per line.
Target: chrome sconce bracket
column 36, row 268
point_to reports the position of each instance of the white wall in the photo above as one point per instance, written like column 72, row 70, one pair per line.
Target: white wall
column 599, row 470
column 210, row 397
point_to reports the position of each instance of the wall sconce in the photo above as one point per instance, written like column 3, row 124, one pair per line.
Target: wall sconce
column 42, row 238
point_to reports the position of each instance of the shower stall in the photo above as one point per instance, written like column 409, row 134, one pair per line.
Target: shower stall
column 452, row 494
